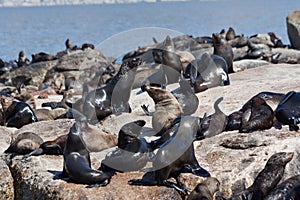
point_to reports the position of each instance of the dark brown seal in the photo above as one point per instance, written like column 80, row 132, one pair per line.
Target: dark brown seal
column 288, row 110
column 175, row 156
column 41, row 57
column 267, row 179
column 205, row 190
column 22, row 60
column 77, row 162
column 24, row 143
column 223, row 49
column 230, row 34
column 131, row 154
column 288, row 189
column 167, row 108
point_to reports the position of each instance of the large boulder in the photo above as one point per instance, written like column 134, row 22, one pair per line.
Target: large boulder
column 293, row 28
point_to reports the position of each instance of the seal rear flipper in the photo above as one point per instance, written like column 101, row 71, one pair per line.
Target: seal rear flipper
column 181, row 188
column 286, row 97
column 146, row 111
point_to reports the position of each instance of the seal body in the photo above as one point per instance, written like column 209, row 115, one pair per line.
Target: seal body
column 288, row 110
column 19, row 114
column 288, row 189
column 167, row 108
column 77, row 163
column 205, row 190
column 99, row 103
column 131, row 154
column 223, row 49
column 24, row 143
column 268, row 178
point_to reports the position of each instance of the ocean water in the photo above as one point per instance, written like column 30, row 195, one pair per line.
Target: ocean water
column 118, row 28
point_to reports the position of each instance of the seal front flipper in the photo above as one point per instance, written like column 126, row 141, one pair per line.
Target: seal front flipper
column 106, row 182
column 145, row 109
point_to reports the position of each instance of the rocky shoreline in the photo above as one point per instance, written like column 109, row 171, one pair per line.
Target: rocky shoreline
column 233, row 158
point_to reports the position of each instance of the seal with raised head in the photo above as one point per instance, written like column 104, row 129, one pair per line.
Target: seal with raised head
column 206, row 72
column 267, row 179
column 131, row 154
column 77, row 162
column 205, row 190
column 288, row 110
column 288, row 189
column 175, row 156
column 223, row 49
column 19, row 114
column 22, row 60
column 24, row 143
column 99, row 103
column 167, row 108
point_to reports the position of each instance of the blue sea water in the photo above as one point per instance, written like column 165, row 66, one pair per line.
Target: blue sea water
column 36, row 29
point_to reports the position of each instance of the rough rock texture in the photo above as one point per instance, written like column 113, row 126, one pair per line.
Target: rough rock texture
column 293, row 28
column 232, row 157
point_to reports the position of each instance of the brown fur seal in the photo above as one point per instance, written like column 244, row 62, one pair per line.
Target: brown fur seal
column 41, row 57
column 131, row 154
column 267, row 179
column 175, row 156
column 77, row 162
column 24, row 143
column 45, row 114
column 167, row 108
column 112, row 97
column 288, row 110
column 286, row 190
column 22, row 60
column 205, row 190
column 230, row 34
column 223, row 49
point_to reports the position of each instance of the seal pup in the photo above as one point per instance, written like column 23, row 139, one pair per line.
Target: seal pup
column 24, row 143
column 19, row 114
column 167, row 108
column 223, row 49
column 205, row 190
column 99, row 103
column 131, row 154
column 54, row 147
column 288, row 110
column 22, row 60
column 77, row 162
column 267, row 179
column 207, row 72
column 286, row 189
column 175, row 156
column 213, row 124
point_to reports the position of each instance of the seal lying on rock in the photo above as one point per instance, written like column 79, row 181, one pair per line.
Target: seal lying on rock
column 267, row 179
column 77, row 162
column 24, row 143
column 288, row 110
column 100, row 103
column 175, row 156
column 131, row 154
column 205, row 190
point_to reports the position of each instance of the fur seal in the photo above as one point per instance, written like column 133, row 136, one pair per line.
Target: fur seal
column 24, row 143
column 55, row 147
column 167, row 108
column 99, row 103
column 131, row 154
column 288, row 110
column 230, row 34
column 41, row 57
column 45, row 114
column 175, row 156
column 223, row 49
column 207, row 72
column 267, row 179
column 286, row 190
column 213, row 124
column 77, row 162
column 22, row 60
column 19, row 114
column 205, row 190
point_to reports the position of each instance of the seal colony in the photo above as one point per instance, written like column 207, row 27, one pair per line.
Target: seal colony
column 174, row 122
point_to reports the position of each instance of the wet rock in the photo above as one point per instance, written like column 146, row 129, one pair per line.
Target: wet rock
column 293, row 28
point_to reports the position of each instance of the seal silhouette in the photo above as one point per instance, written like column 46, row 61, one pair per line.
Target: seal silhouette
column 131, row 154
column 176, row 155
column 268, row 178
column 77, row 163
column 288, row 110
column 205, row 190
